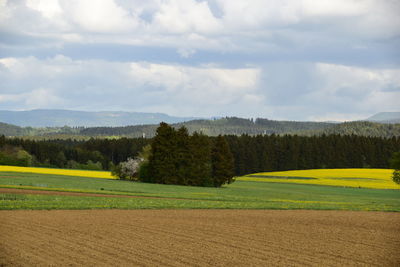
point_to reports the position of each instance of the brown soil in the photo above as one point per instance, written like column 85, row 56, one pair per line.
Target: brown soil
column 199, row 238
column 64, row 193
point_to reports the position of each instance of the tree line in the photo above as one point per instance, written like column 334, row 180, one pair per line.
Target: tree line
column 291, row 152
column 100, row 154
column 251, row 153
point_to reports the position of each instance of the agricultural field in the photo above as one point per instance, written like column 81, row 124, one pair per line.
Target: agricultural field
column 24, row 190
column 199, row 238
column 360, row 178
column 66, row 172
column 62, row 220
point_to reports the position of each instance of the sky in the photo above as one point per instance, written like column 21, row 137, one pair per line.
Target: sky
column 325, row 60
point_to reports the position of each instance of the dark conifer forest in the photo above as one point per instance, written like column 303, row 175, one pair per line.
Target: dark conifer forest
column 251, row 153
column 197, row 160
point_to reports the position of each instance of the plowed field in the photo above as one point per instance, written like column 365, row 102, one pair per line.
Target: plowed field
column 199, row 238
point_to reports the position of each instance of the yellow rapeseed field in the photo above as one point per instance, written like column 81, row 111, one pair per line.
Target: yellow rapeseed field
column 365, row 178
column 81, row 173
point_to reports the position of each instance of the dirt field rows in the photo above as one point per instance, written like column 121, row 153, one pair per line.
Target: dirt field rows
column 199, row 238
column 61, row 193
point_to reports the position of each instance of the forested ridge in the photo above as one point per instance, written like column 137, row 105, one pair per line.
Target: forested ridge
column 251, row 153
column 363, row 128
column 239, row 126
column 13, row 130
column 222, row 126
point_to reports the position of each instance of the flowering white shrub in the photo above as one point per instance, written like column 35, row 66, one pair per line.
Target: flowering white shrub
column 128, row 170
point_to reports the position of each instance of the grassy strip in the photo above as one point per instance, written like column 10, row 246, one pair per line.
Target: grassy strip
column 240, row 195
column 102, row 192
column 47, row 202
column 85, row 191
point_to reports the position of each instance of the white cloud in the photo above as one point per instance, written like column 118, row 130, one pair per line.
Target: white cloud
column 182, row 16
column 132, row 86
column 4, row 11
column 48, row 8
column 42, row 97
column 238, row 15
column 360, row 82
column 37, row 98
column 285, row 90
column 197, row 87
column 252, row 25
column 341, row 8
column 9, row 63
column 273, row 58
column 103, row 16
column 356, row 90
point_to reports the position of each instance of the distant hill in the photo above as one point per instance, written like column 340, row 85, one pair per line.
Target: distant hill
column 12, row 130
column 223, row 126
column 385, row 117
column 361, row 128
column 239, row 126
column 72, row 118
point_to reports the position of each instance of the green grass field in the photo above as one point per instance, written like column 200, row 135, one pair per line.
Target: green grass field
column 239, row 195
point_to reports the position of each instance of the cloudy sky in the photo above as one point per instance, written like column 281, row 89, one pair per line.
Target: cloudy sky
column 279, row 59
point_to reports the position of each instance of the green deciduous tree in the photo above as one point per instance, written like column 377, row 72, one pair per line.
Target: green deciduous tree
column 395, row 164
column 144, row 155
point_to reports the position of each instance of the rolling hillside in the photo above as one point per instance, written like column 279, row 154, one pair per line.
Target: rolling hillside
column 224, row 126
column 385, row 117
column 12, row 130
column 362, row 128
column 239, row 126
column 72, row 118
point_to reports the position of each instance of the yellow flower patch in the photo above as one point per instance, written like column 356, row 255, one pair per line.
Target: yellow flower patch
column 80, row 173
column 365, row 178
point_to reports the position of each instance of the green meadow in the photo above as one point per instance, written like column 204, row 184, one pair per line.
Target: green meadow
column 239, row 195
